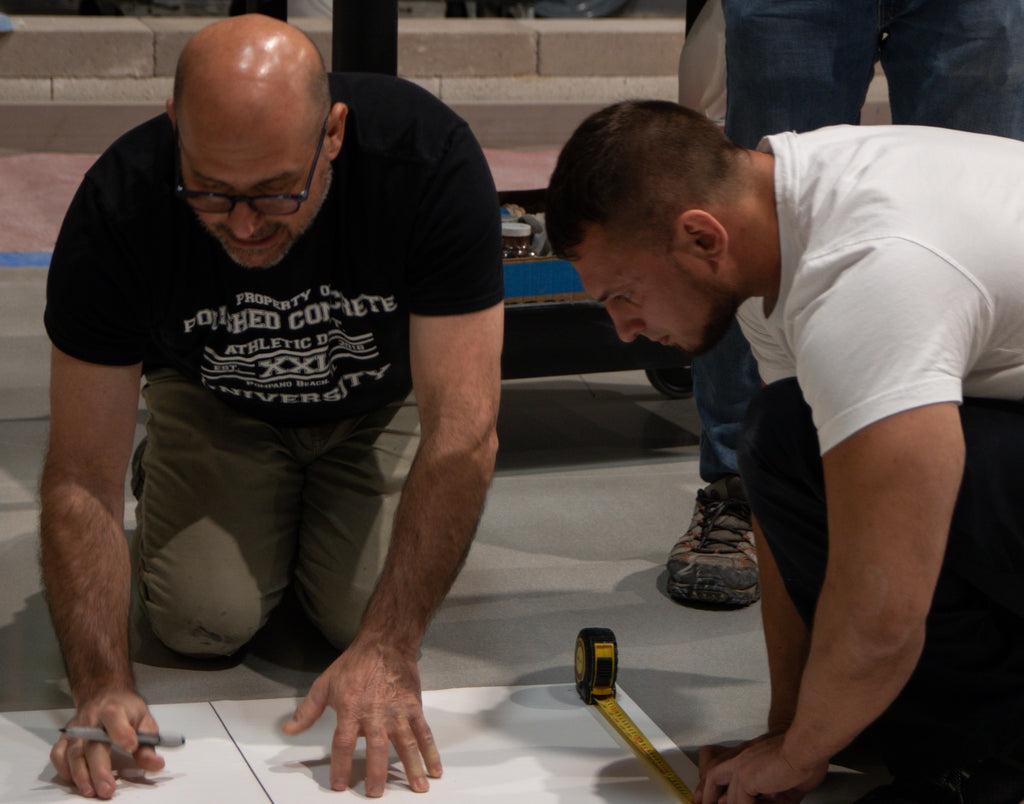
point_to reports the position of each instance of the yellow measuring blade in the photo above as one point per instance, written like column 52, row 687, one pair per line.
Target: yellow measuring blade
column 624, row 725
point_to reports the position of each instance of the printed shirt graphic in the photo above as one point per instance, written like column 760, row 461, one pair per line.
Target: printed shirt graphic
column 291, row 351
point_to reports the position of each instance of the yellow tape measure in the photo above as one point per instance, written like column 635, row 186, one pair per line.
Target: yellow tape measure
column 597, row 660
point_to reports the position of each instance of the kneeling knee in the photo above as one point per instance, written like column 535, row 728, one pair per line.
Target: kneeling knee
column 203, row 632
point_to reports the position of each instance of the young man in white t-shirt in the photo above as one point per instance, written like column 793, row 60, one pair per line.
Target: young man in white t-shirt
column 878, row 276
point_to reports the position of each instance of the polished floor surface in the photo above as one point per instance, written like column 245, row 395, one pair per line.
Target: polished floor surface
column 596, row 478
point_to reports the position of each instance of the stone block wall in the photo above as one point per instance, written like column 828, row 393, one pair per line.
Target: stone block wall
column 67, row 82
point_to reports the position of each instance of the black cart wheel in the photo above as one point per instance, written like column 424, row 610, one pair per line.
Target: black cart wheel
column 675, row 383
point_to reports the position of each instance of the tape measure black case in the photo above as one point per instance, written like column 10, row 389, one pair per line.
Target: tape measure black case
column 597, row 664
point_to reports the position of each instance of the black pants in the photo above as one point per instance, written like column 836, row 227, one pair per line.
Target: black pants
column 965, row 700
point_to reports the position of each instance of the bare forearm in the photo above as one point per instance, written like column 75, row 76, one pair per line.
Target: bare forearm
column 434, row 528
column 86, row 573
column 787, row 640
column 890, row 491
column 853, row 673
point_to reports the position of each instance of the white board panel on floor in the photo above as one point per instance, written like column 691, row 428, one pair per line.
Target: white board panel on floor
column 208, row 768
column 535, row 743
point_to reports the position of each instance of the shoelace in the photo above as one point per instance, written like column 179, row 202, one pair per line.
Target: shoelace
column 715, row 519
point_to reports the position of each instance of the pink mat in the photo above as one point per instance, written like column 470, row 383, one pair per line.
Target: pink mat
column 521, row 170
column 35, row 190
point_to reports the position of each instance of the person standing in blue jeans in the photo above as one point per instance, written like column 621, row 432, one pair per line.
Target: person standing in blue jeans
column 798, row 65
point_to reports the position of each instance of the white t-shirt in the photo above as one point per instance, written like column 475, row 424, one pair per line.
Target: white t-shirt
column 902, row 283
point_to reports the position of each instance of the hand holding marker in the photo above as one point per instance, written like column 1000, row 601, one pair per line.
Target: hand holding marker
column 160, row 740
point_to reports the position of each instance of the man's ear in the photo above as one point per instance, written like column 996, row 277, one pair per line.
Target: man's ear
column 335, row 129
column 700, row 234
column 169, row 106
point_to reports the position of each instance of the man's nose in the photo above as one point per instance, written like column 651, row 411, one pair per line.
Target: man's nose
column 627, row 326
column 243, row 220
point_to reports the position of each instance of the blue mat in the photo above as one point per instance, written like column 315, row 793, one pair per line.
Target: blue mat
column 541, row 278
column 39, row 259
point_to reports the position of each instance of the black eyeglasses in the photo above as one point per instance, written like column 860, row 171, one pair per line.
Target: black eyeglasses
column 282, row 204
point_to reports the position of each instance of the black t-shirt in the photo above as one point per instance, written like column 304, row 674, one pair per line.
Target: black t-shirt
column 411, row 224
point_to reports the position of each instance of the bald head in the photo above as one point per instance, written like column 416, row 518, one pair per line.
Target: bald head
column 250, row 71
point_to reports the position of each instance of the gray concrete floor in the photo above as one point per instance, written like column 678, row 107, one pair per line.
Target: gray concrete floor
column 596, row 478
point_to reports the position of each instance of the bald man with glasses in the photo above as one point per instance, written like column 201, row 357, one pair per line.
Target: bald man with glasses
column 279, row 260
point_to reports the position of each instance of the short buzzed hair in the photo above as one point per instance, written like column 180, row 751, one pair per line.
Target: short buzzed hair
column 633, row 167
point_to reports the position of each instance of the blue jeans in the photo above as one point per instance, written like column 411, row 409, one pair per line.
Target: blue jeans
column 964, row 701
column 797, row 65
column 724, row 380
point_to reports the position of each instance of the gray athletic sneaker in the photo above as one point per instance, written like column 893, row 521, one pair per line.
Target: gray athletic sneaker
column 715, row 560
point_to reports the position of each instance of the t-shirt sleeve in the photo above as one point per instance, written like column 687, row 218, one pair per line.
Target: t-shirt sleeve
column 93, row 308
column 457, row 237
column 898, row 328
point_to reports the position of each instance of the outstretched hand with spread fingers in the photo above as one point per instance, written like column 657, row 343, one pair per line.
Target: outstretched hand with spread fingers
column 374, row 690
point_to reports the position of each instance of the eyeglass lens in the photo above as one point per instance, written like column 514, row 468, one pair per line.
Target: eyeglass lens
column 265, row 204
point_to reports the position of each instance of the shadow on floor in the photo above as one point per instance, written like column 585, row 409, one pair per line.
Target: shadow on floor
column 542, row 428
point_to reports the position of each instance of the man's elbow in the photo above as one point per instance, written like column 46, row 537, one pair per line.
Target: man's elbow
column 71, row 492
column 484, row 453
column 894, row 628
column 461, row 449
column 492, row 448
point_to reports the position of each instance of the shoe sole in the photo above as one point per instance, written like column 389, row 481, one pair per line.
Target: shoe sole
column 712, row 590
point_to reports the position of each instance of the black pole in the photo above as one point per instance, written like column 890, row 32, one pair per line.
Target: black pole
column 272, row 8
column 693, row 8
column 365, row 36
